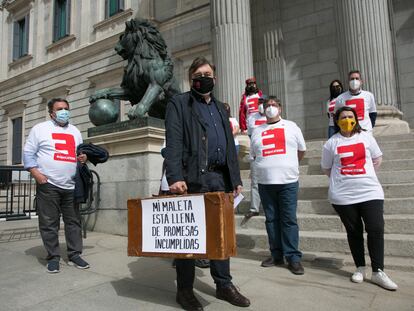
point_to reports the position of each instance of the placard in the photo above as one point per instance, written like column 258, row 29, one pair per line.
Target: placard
column 174, row 225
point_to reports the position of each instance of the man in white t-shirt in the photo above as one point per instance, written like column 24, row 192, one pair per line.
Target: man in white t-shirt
column 277, row 147
column 254, row 121
column 248, row 103
column 50, row 156
column 362, row 101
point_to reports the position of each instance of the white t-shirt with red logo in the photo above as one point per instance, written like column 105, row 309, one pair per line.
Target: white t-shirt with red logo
column 363, row 103
column 274, row 148
column 330, row 106
column 255, row 120
column 54, row 148
column 353, row 179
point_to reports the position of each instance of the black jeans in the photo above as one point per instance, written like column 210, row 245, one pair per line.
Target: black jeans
column 219, row 269
column 51, row 202
column 371, row 214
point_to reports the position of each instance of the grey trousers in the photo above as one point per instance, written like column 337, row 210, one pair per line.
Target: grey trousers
column 51, row 202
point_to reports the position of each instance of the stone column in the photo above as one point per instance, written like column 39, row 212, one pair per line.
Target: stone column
column 365, row 43
column 232, row 49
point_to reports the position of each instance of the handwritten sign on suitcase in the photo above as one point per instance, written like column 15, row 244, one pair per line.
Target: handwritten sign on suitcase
column 189, row 226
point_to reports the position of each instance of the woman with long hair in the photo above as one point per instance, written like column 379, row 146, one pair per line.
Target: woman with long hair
column 350, row 158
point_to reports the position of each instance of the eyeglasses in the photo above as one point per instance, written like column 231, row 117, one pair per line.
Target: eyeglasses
column 202, row 74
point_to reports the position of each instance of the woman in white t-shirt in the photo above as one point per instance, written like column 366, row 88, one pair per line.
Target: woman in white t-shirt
column 350, row 158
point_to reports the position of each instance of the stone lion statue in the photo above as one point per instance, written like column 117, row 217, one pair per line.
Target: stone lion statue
column 148, row 77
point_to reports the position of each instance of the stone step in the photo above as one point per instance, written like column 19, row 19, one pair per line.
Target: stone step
column 391, row 154
column 398, row 224
column 385, row 177
column 392, row 206
column 402, row 190
column 400, row 245
column 314, row 168
column 402, row 137
column 390, row 191
column 385, row 142
column 331, row 260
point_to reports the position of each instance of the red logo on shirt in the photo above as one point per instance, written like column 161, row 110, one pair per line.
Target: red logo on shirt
column 259, row 122
column 276, row 139
column 352, row 159
column 67, row 148
column 252, row 105
column 331, row 108
column 358, row 105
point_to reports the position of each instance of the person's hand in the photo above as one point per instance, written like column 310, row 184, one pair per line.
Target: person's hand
column 179, row 187
column 82, row 158
column 39, row 177
column 244, row 132
column 237, row 191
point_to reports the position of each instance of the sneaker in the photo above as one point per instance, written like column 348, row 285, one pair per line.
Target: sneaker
column 359, row 275
column 52, row 266
column 78, row 262
column 381, row 279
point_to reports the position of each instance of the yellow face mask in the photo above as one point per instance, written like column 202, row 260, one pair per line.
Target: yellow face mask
column 346, row 125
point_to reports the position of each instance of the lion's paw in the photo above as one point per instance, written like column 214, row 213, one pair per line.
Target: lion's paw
column 137, row 111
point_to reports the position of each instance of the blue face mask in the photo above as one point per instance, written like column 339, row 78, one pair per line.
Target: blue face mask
column 62, row 116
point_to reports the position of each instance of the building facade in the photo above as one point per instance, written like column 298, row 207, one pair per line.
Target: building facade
column 295, row 48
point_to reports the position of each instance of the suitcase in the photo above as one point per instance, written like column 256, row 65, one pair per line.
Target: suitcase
column 181, row 227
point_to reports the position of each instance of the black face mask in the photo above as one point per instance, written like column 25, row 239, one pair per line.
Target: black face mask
column 335, row 92
column 251, row 89
column 203, row 85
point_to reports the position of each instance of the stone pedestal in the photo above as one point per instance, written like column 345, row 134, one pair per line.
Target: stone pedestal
column 365, row 43
column 133, row 170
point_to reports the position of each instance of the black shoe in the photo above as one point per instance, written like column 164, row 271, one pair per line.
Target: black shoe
column 186, row 299
column 249, row 215
column 296, row 268
column 270, row 262
column 233, row 296
column 202, row 263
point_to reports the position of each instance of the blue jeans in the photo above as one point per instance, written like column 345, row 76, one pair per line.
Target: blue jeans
column 279, row 205
column 331, row 131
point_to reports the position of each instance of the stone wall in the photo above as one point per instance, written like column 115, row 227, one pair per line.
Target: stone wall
column 306, row 41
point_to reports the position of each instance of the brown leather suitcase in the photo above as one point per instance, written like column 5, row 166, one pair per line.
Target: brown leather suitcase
column 219, row 228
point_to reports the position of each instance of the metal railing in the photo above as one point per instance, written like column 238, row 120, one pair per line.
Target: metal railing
column 93, row 201
column 17, row 193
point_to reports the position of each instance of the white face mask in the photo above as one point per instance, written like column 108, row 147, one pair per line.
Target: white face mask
column 272, row 112
column 261, row 109
column 354, row 84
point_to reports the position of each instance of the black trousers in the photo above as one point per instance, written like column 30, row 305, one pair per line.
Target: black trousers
column 354, row 217
column 53, row 201
column 219, row 269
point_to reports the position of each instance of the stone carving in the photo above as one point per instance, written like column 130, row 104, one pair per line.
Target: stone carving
column 148, row 77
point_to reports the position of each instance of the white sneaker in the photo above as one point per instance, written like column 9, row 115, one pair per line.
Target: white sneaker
column 359, row 275
column 381, row 279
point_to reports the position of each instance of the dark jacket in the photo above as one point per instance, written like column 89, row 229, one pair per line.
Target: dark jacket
column 187, row 145
column 83, row 176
